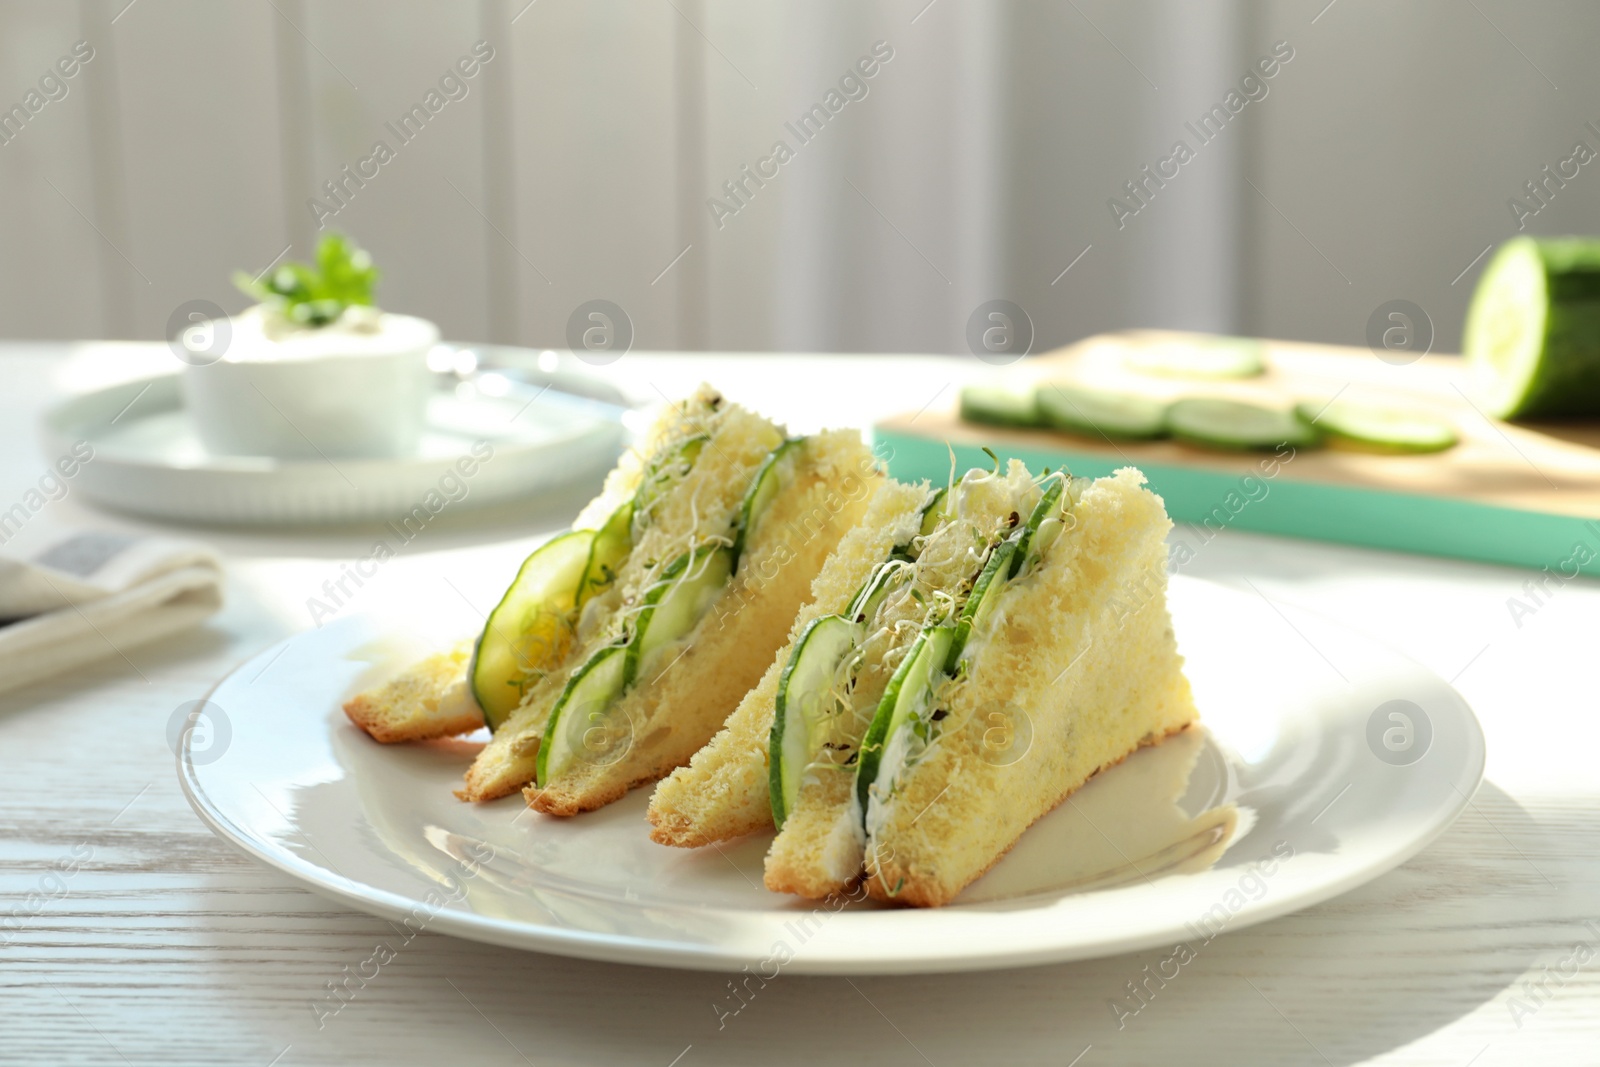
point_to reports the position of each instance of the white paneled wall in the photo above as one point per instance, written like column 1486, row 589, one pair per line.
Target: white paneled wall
column 978, row 164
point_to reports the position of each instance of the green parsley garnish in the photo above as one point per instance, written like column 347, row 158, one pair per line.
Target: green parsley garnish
column 308, row 295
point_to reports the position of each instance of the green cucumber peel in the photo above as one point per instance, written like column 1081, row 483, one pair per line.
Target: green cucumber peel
column 1379, row 429
column 1210, row 422
column 909, row 689
column 1098, row 413
column 525, row 628
column 992, row 405
column 798, row 711
column 677, row 601
column 590, row 693
column 1052, row 490
column 667, row 465
column 986, row 590
column 764, row 487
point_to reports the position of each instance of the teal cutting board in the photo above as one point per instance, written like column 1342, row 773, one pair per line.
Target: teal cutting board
column 1522, row 495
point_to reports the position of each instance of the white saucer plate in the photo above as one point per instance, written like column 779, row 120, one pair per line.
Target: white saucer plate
column 148, row 460
column 1327, row 759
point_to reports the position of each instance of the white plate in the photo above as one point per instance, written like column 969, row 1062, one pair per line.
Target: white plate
column 147, row 459
column 1289, row 772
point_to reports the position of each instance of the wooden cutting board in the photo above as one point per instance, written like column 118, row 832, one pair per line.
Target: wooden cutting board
column 1527, row 495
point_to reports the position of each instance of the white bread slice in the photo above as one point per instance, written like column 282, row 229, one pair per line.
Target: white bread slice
column 425, row 701
column 1080, row 653
column 708, row 672
column 724, row 791
column 819, row 851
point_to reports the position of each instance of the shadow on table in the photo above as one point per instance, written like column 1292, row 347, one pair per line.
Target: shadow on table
column 1369, row 972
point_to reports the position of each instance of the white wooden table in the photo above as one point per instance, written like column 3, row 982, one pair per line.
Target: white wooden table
column 168, row 947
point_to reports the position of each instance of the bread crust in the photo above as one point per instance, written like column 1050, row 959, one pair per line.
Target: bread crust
column 421, row 703
column 918, row 892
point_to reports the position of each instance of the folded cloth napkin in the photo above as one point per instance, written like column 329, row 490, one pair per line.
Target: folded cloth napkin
column 92, row 596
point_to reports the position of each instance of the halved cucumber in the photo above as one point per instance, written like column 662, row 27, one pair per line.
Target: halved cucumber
column 676, row 603
column 1378, row 429
column 531, row 627
column 1093, row 412
column 984, row 596
column 1532, row 338
column 768, row 480
column 1201, row 357
column 612, row 544
column 907, row 694
column 997, row 406
column 805, row 701
column 582, row 714
column 1231, row 424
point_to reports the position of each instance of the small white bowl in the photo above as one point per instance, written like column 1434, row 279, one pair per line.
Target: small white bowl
column 356, row 388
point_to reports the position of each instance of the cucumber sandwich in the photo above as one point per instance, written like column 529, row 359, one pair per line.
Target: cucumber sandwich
column 725, row 791
column 976, row 674
column 622, row 645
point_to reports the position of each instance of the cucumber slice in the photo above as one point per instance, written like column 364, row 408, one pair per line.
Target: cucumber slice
column 984, row 596
column 1094, row 413
column 886, row 576
column 666, row 468
column 1202, row 357
column 768, row 480
column 1532, row 338
column 907, row 695
column 531, row 627
column 997, row 406
column 1230, row 424
column 1379, row 429
column 805, row 701
column 676, row 603
column 612, row 544
column 1049, row 503
column 580, row 723
column 935, row 511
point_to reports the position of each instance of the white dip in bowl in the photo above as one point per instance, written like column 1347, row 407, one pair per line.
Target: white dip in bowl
column 355, row 388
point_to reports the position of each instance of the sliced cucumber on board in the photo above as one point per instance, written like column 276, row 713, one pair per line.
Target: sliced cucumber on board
column 998, row 406
column 805, row 701
column 676, row 603
column 531, row 627
column 1232, row 424
column 583, row 706
column 908, row 692
column 1205, row 357
column 1378, row 429
column 764, row 487
column 1532, row 338
column 1093, row 412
